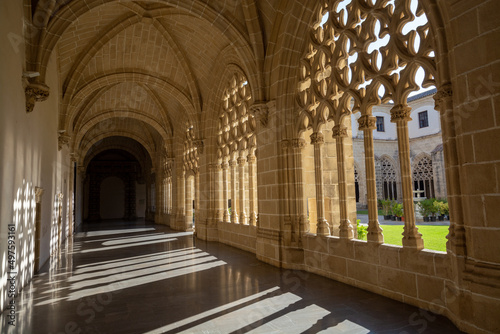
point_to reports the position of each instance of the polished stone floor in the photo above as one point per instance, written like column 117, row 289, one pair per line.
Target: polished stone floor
column 120, row 277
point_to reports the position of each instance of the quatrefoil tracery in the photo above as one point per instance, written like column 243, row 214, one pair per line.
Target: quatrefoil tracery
column 362, row 53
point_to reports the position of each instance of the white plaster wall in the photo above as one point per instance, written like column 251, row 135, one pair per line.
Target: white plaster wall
column 29, row 155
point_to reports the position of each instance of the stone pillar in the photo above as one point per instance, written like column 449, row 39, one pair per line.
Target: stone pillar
column 188, row 204
column 196, row 195
column 219, row 208
column 456, row 235
column 297, row 146
column 252, row 188
column 234, row 214
column 400, row 114
column 317, row 139
column 38, row 227
column 367, row 124
column 345, row 229
column 241, row 163
column 225, row 199
column 181, row 199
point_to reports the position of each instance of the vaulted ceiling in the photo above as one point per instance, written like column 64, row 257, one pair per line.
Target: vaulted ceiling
column 145, row 70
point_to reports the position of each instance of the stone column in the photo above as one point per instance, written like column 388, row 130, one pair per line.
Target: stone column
column 196, row 195
column 456, row 235
column 38, row 227
column 252, row 189
column 400, row 114
column 180, row 220
column 234, row 214
column 188, row 200
column 241, row 163
column 317, row 139
column 225, row 198
column 218, row 193
column 345, row 229
column 297, row 145
column 367, row 124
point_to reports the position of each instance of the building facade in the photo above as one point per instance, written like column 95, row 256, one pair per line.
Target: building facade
column 426, row 152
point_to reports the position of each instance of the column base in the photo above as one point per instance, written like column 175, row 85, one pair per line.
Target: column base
column 322, row 228
column 375, row 233
column 253, row 219
column 243, row 218
column 346, row 230
column 412, row 239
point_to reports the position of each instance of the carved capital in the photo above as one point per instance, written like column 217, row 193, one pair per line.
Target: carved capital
column 339, row 131
column 444, row 93
column 35, row 92
column 367, row 122
column 198, row 143
column 242, row 161
column 232, row 163
column 251, row 159
column 74, row 157
column 298, row 143
column 63, row 140
column 260, row 111
column 38, row 194
column 317, row 138
column 400, row 112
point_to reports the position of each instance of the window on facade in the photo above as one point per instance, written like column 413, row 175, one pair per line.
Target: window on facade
column 423, row 120
column 356, row 184
column 389, row 188
column 380, row 124
column 423, row 178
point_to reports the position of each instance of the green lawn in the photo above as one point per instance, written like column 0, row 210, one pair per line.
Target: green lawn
column 434, row 236
column 365, row 212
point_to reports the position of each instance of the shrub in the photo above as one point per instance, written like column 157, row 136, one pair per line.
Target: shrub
column 386, row 206
column 397, row 209
column 362, row 230
column 425, row 207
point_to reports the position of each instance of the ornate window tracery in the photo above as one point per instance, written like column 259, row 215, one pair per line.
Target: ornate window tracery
column 388, row 175
column 423, row 178
column 362, row 53
column 236, row 149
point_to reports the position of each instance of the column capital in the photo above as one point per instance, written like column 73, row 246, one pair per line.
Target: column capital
column 251, row 159
column 198, row 143
column 62, row 140
column 445, row 92
column 35, row 92
column 260, row 110
column 367, row 122
column 317, row 138
column 242, row 161
column 339, row 131
column 38, row 194
column 232, row 163
column 73, row 157
column 400, row 112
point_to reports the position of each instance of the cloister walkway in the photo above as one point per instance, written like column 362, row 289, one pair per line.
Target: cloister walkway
column 134, row 277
